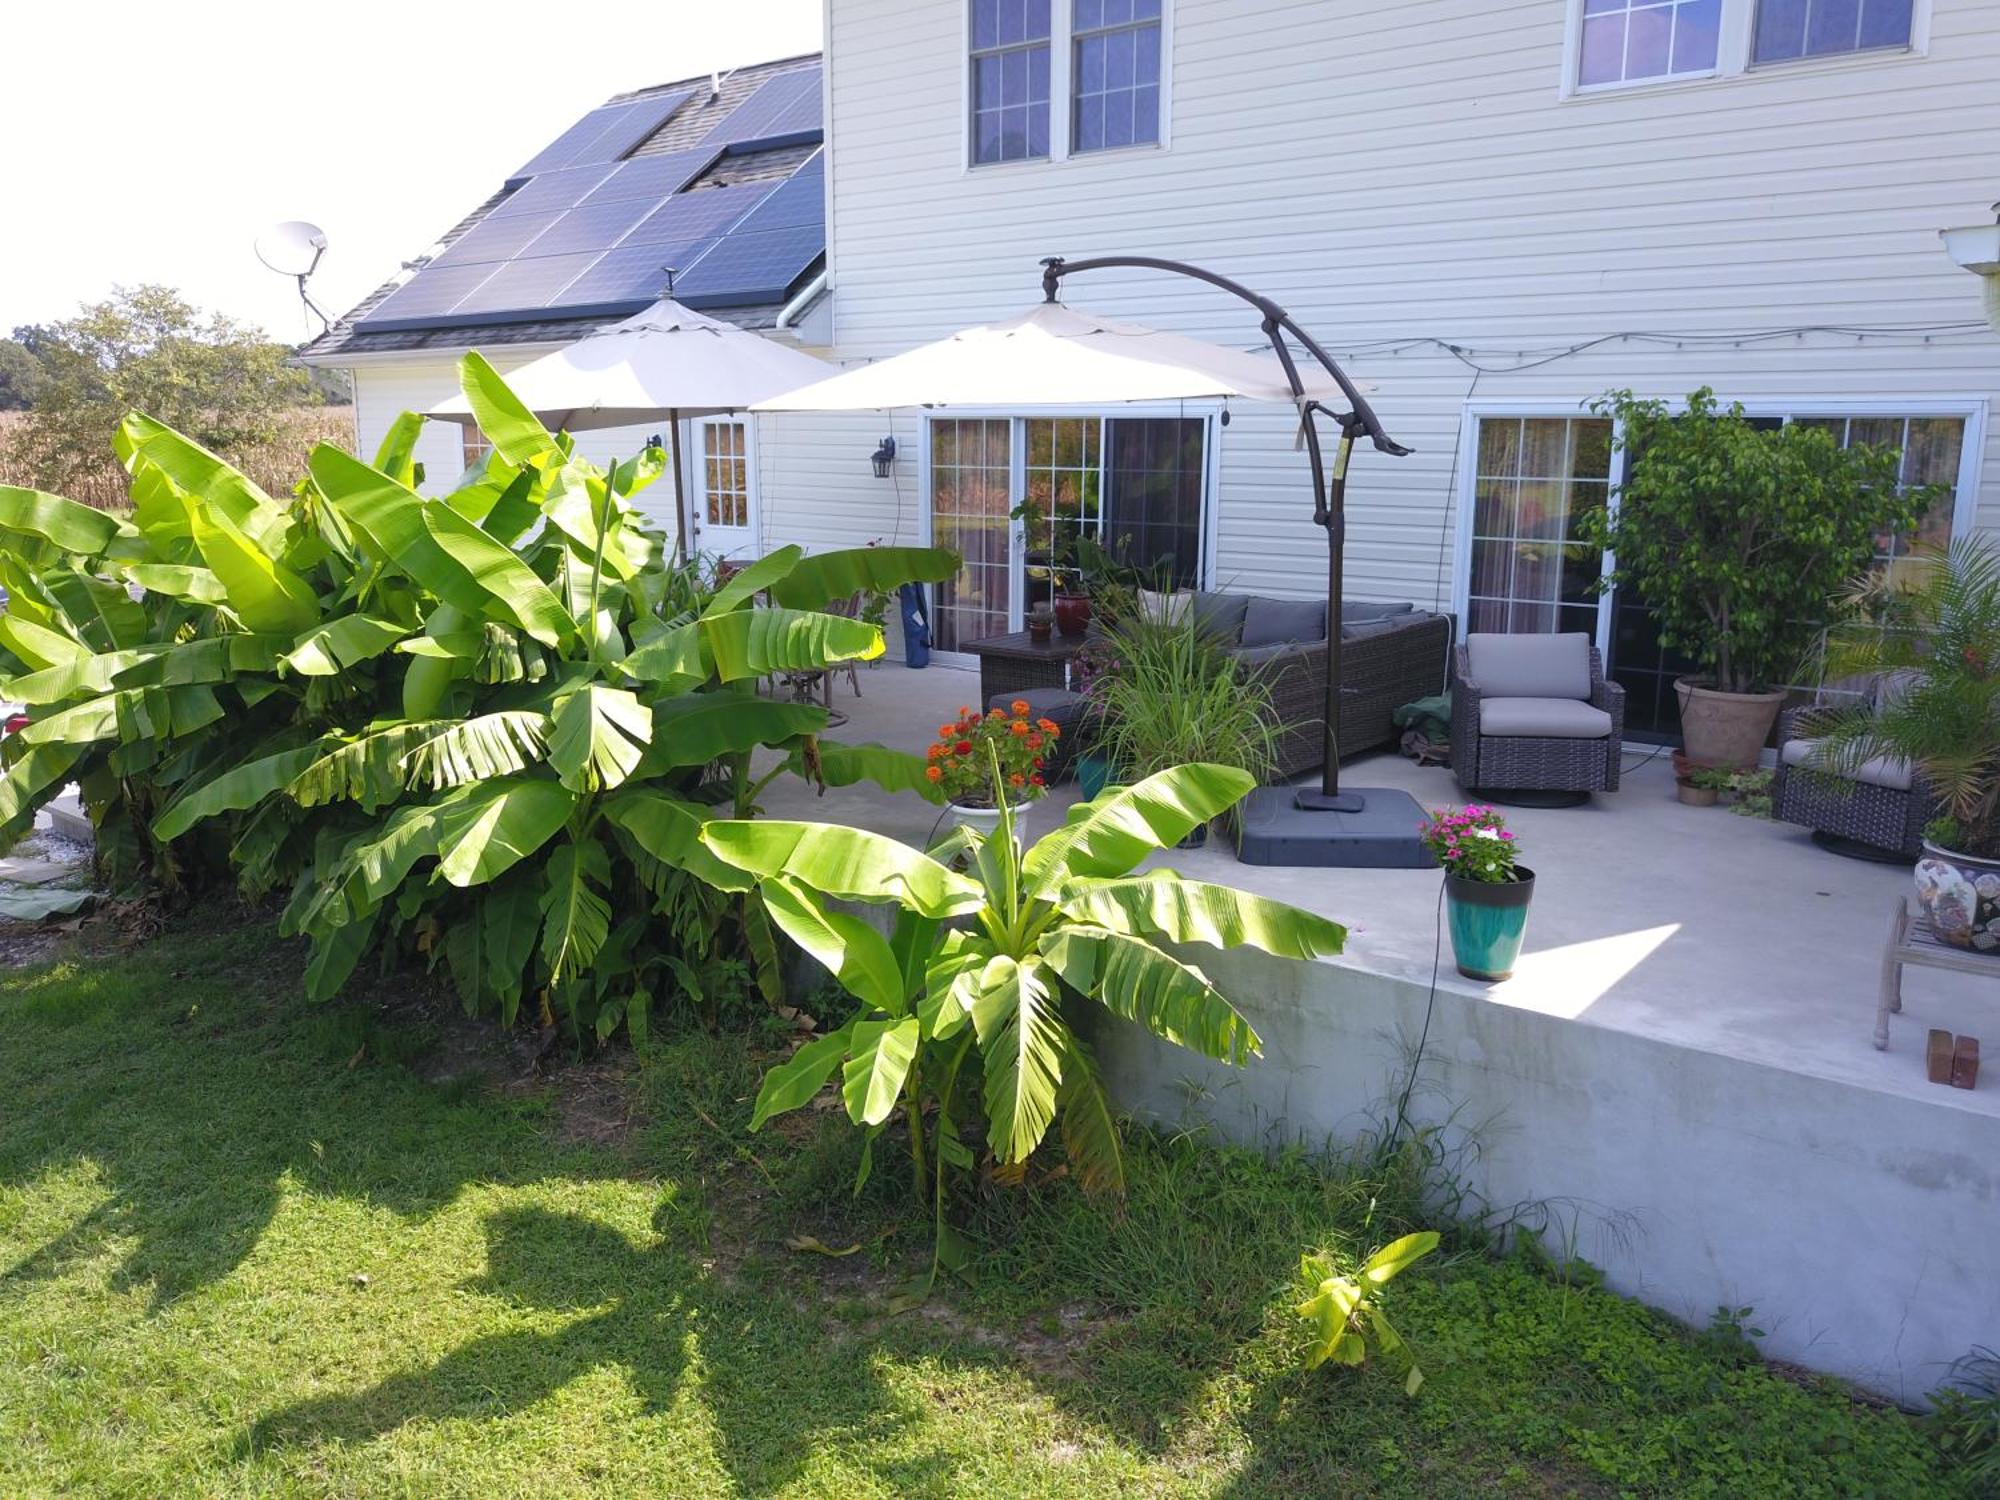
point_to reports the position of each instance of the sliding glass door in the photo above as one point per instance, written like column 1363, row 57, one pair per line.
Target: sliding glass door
column 1014, row 495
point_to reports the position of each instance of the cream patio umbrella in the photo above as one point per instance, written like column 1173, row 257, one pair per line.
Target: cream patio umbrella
column 1055, row 355
column 665, row 363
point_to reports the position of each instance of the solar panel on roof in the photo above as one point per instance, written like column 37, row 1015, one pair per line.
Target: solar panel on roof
column 699, row 214
column 526, row 284
column 632, row 275
column 799, row 200
column 605, row 134
column 595, row 227
column 749, row 267
column 428, row 296
column 492, row 240
column 784, row 111
column 551, row 192
column 651, row 176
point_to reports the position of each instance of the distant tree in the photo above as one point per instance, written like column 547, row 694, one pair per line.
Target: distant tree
column 20, row 374
column 148, row 349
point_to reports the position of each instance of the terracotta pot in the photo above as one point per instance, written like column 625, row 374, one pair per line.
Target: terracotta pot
column 1726, row 730
column 1073, row 614
column 1697, row 796
column 1960, row 893
column 1040, row 626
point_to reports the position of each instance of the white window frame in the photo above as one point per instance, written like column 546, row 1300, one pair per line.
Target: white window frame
column 1972, row 410
column 1062, row 112
column 1733, row 54
column 1209, row 413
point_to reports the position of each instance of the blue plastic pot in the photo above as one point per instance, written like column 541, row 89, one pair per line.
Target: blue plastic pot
column 1093, row 775
column 1487, row 922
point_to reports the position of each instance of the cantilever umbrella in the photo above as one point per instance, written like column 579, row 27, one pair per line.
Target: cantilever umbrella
column 1054, row 355
column 667, row 362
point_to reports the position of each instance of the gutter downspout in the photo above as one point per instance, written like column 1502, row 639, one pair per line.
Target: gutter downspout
column 793, row 309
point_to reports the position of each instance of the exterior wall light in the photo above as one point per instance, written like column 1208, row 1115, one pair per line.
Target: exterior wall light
column 1977, row 248
column 883, row 456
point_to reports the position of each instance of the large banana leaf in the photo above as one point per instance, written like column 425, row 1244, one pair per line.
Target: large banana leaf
column 695, row 729
column 516, row 434
column 484, row 835
column 265, row 594
column 326, row 650
column 241, row 787
column 879, row 1060
column 1112, row 834
column 396, row 456
column 178, row 581
column 1165, row 905
column 851, row 950
column 32, row 773
column 670, row 831
column 792, row 1083
column 1133, row 979
column 232, row 494
column 39, row 646
column 1022, row 1040
column 51, row 518
column 1090, row 1135
column 746, row 583
column 208, row 660
column 439, row 548
column 377, row 766
column 101, row 613
column 850, row 862
column 576, row 918
column 837, row 763
column 599, row 735
column 817, row 580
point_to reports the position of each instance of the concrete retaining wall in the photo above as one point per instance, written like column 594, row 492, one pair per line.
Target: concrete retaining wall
column 1863, row 1228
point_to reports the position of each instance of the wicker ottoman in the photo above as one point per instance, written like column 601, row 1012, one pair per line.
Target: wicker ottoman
column 1061, row 708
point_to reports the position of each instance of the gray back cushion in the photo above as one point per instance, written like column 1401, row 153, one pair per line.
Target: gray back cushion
column 1530, row 666
column 1221, row 615
column 1354, row 613
column 1270, row 620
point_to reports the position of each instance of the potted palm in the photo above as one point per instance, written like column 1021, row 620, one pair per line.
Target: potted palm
column 1927, row 629
column 976, row 757
column 1735, row 535
column 1486, row 893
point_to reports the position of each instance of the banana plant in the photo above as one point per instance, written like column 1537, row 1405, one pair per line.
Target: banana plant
column 1343, row 1311
column 969, row 1008
column 483, row 728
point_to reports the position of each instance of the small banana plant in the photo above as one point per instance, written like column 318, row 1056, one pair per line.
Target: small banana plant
column 1344, row 1310
column 968, row 1010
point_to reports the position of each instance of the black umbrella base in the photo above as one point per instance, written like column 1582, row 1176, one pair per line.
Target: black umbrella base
column 1366, row 828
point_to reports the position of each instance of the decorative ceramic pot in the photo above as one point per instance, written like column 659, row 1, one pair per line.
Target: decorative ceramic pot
column 985, row 819
column 1487, row 922
column 1093, row 775
column 1961, row 896
column 1039, row 627
column 1073, row 615
column 1725, row 730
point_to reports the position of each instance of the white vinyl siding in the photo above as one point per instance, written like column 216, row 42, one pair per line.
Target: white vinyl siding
column 1467, row 201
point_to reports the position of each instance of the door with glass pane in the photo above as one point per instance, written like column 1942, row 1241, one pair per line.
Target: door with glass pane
column 725, row 489
column 971, row 480
column 1535, row 479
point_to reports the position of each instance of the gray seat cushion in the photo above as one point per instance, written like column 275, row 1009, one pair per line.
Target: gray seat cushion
column 1271, row 620
column 1530, row 666
column 1542, row 718
column 1221, row 615
column 1263, row 656
column 1354, row 630
column 1882, row 771
column 1353, row 612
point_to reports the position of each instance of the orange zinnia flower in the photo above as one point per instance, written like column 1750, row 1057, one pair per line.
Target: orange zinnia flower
column 1017, row 779
column 1034, row 742
column 1019, row 728
column 1020, row 708
column 1037, row 779
column 946, row 731
column 935, row 773
column 1047, row 726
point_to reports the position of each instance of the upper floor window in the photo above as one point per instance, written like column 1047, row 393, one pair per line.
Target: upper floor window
column 1010, row 79
column 1787, row 29
column 1117, row 73
column 1626, row 41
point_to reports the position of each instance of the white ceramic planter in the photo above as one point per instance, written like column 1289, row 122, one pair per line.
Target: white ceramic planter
column 985, row 819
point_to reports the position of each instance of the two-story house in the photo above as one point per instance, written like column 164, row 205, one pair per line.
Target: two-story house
column 1492, row 213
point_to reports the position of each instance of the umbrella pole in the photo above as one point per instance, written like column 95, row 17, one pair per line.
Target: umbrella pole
column 682, row 552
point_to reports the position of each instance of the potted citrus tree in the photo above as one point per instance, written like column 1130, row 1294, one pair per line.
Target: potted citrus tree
column 1927, row 629
column 1736, row 534
column 1486, row 890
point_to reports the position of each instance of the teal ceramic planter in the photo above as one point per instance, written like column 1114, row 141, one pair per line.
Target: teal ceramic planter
column 1487, row 923
column 1093, row 774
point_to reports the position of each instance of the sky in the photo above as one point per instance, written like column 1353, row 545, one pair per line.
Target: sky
column 155, row 143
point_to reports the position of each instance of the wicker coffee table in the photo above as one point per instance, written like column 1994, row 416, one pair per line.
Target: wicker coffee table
column 1015, row 663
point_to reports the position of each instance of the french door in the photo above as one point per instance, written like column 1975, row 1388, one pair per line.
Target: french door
column 724, row 489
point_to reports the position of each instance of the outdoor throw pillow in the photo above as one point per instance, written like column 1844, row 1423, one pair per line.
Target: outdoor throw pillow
column 1164, row 609
column 1221, row 615
column 1269, row 620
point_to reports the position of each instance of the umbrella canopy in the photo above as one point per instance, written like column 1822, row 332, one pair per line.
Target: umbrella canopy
column 1053, row 355
column 668, row 361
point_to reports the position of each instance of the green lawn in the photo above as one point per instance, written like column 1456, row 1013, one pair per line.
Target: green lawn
column 245, row 1248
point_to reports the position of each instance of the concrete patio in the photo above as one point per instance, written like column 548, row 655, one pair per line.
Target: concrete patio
column 1678, row 1085
column 1689, row 925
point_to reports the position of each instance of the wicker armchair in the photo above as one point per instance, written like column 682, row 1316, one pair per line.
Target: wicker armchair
column 1542, row 719
column 1885, row 805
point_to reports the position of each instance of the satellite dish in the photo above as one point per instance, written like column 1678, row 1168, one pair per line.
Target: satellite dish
column 292, row 248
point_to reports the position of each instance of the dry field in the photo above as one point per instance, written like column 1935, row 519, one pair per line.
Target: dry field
column 276, row 465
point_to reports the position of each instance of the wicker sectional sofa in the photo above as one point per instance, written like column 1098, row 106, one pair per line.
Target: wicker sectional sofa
column 1390, row 655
